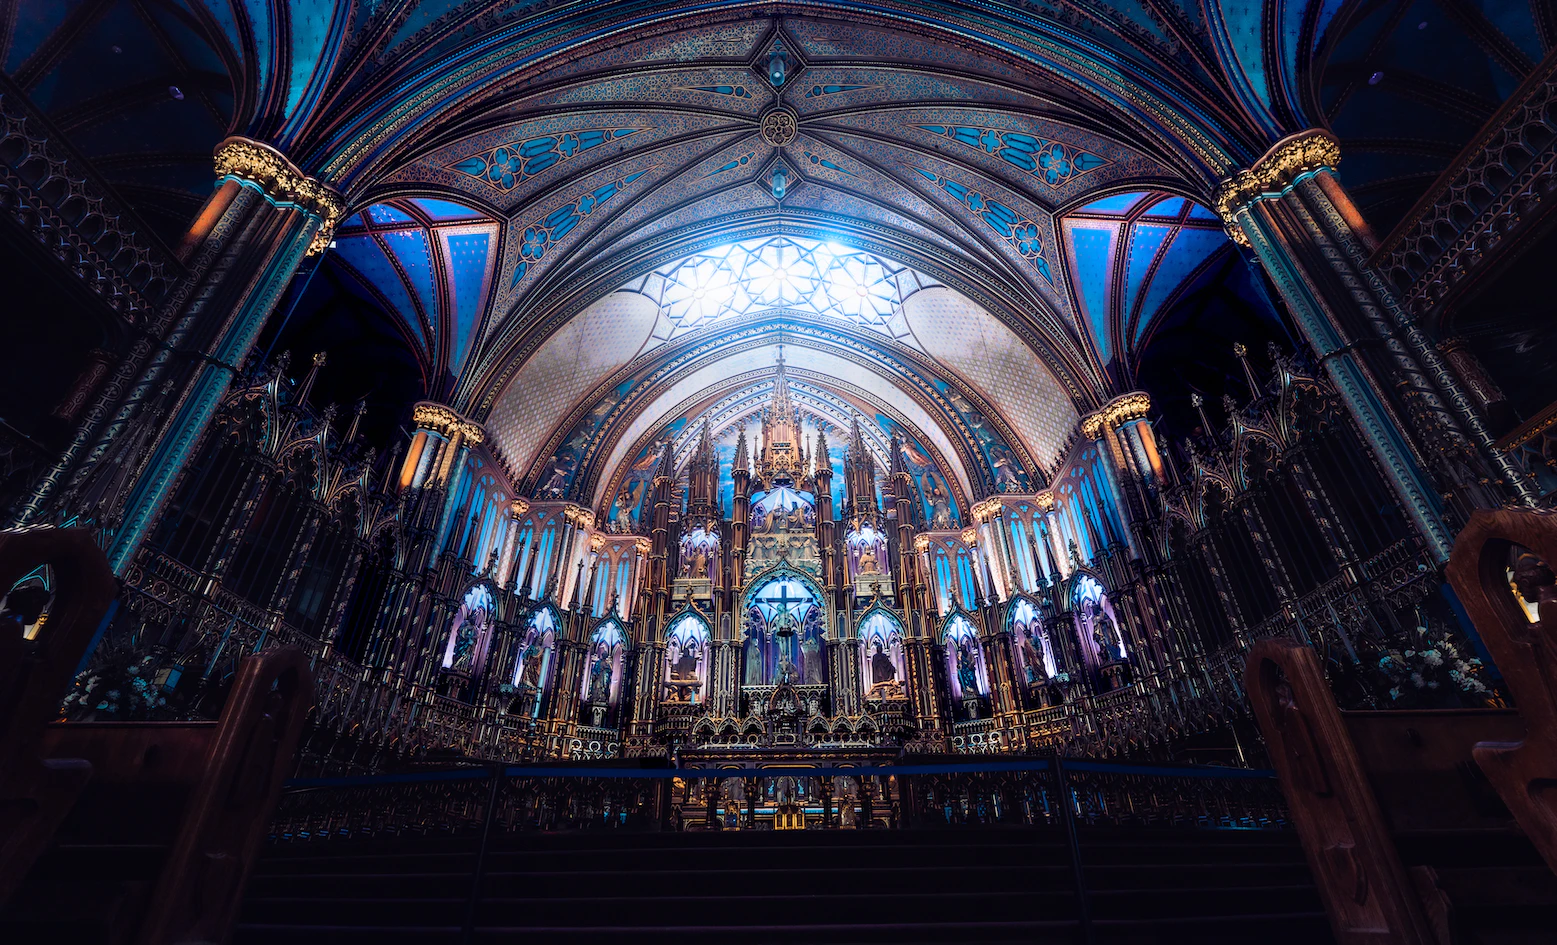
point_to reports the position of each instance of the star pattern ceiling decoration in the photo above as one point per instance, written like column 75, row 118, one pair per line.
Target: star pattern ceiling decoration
column 1128, row 255
column 430, row 262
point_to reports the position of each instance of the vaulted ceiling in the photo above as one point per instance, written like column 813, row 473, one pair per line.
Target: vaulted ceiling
column 593, row 225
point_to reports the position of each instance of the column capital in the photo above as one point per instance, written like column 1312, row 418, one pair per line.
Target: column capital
column 1275, row 171
column 986, row 509
column 446, row 421
column 279, row 179
column 1120, row 410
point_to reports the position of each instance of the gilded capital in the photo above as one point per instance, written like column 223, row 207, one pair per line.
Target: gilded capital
column 441, row 419
column 1286, row 161
column 1120, row 410
column 1044, row 500
column 987, row 509
column 281, row 181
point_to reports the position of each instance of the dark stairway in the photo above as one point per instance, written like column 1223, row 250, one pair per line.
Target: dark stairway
column 814, row 886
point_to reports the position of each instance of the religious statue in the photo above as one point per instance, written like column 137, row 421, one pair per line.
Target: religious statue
column 685, row 666
column 868, row 563
column 967, row 673
column 465, row 640
column 700, row 564
column 754, row 654
column 530, row 675
column 940, row 505
column 788, row 672
column 1032, row 660
column 1106, row 638
column 600, row 679
column 810, row 659
column 882, row 669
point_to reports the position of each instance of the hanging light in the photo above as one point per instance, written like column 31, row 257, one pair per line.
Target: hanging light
column 780, row 181
column 778, row 65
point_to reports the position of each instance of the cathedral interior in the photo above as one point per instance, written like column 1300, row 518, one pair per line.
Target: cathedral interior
column 1032, row 470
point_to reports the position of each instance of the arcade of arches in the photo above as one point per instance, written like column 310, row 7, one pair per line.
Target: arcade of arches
column 762, row 380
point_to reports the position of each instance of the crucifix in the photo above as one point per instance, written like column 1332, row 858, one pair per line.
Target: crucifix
column 784, row 600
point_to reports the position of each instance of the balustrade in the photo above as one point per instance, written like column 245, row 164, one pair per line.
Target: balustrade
column 1019, row 792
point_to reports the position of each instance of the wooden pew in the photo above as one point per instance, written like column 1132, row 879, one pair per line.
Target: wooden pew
column 1524, row 769
column 159, row 845
column 36, row 791
column 1407, row 840
column 1428, row 826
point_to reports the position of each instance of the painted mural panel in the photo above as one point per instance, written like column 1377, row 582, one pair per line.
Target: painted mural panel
column 938, row 505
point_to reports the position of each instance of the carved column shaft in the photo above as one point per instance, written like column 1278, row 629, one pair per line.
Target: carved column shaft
column 248, row 243
column 1258, row 207
column 1333, row 209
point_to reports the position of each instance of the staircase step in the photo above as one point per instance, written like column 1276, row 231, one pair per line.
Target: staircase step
column 985, row 886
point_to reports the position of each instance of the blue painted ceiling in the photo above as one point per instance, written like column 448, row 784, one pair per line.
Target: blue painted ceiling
column 1047, row 163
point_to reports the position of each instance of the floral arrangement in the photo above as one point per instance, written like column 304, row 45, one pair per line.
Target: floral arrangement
column 1433, row 674
column 115, row 693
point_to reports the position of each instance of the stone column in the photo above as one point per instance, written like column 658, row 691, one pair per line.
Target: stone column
column 1127, row 471
column 1292, row 212
column 254, row 232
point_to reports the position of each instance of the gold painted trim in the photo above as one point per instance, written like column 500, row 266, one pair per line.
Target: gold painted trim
column 1287, row 160
column 270, row 171
column 444, row 420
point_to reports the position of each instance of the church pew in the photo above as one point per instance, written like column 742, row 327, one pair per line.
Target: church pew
column 1415, row 821
column 1408, row 842
column 159, row 845
column 1524, row 770
column 36, row 791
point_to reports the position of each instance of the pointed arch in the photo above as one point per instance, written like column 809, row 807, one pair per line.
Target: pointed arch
column 687, row 654
column 883, row 664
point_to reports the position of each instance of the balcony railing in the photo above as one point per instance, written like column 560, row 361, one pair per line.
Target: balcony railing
column 1016, row 792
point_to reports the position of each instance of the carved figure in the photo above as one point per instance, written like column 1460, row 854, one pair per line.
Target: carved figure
column 1106, row 638
column 882, row 670
column 788, row 672
column 685, row 667
column 600, row 679
column 1032, row 660
column 531, row 675
column 810, row 659
column 754, row 655
column 940, row 505
column 967, row 673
